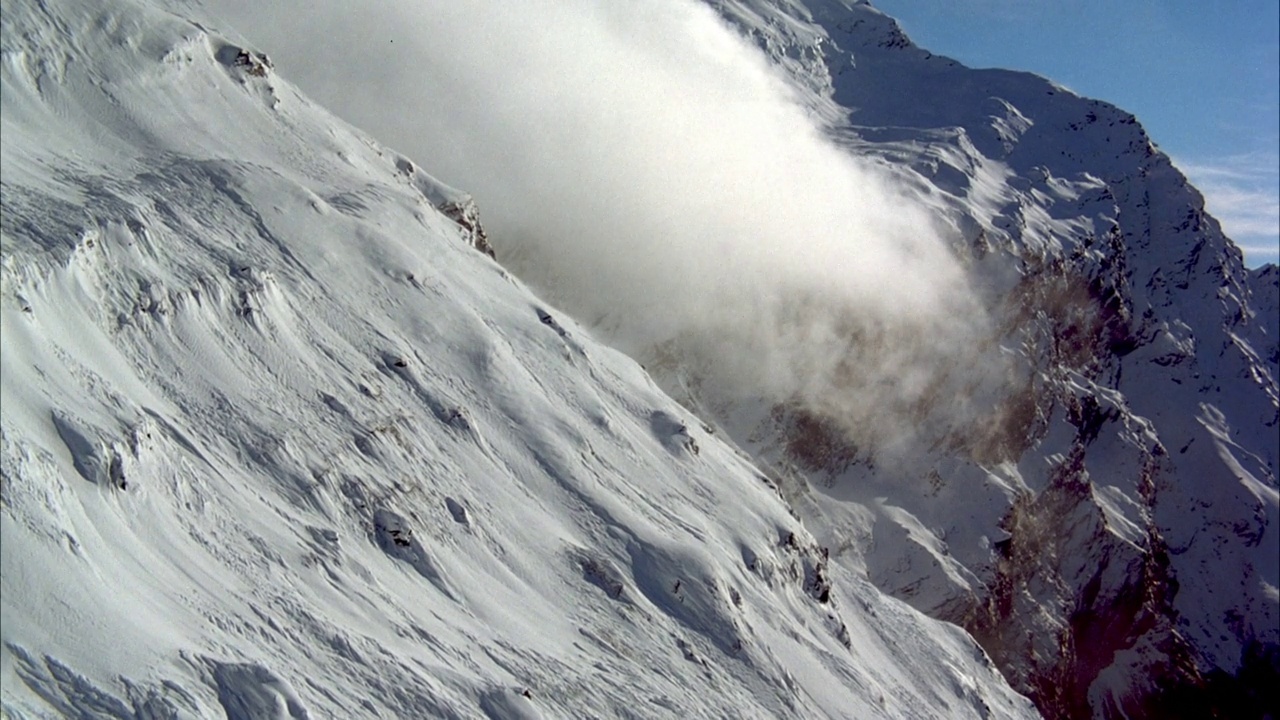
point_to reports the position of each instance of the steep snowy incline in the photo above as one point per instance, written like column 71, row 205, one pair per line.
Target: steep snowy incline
column 280, row 441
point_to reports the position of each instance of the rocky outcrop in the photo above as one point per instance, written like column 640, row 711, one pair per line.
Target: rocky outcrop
column 467, row 216
column 458, row 206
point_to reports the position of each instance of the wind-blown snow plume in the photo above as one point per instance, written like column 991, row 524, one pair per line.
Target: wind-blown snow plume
column 646, row 168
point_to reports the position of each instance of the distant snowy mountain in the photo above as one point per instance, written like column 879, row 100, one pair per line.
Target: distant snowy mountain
column 281, row 441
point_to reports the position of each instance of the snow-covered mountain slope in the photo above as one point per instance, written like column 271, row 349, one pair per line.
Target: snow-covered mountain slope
column 1109, row 531
column 280, row 441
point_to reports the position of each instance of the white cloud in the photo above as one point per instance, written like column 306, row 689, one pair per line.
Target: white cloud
column 643, row 166
column 1243, row 193
column 1260, row 253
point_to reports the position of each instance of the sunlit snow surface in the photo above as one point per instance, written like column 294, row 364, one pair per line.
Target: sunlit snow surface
column 277, row 442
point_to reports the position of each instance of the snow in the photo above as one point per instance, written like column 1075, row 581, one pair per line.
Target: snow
column 278, row 441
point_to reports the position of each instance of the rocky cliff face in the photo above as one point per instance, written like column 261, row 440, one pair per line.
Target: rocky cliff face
column 1108, row 529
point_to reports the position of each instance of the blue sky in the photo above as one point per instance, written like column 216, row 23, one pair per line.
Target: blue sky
column 1202, row 77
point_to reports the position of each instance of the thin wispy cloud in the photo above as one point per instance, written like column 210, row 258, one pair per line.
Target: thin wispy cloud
column 1259, row 254
column 1243, row 193
column 1243, row 211
column 1257, row 166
